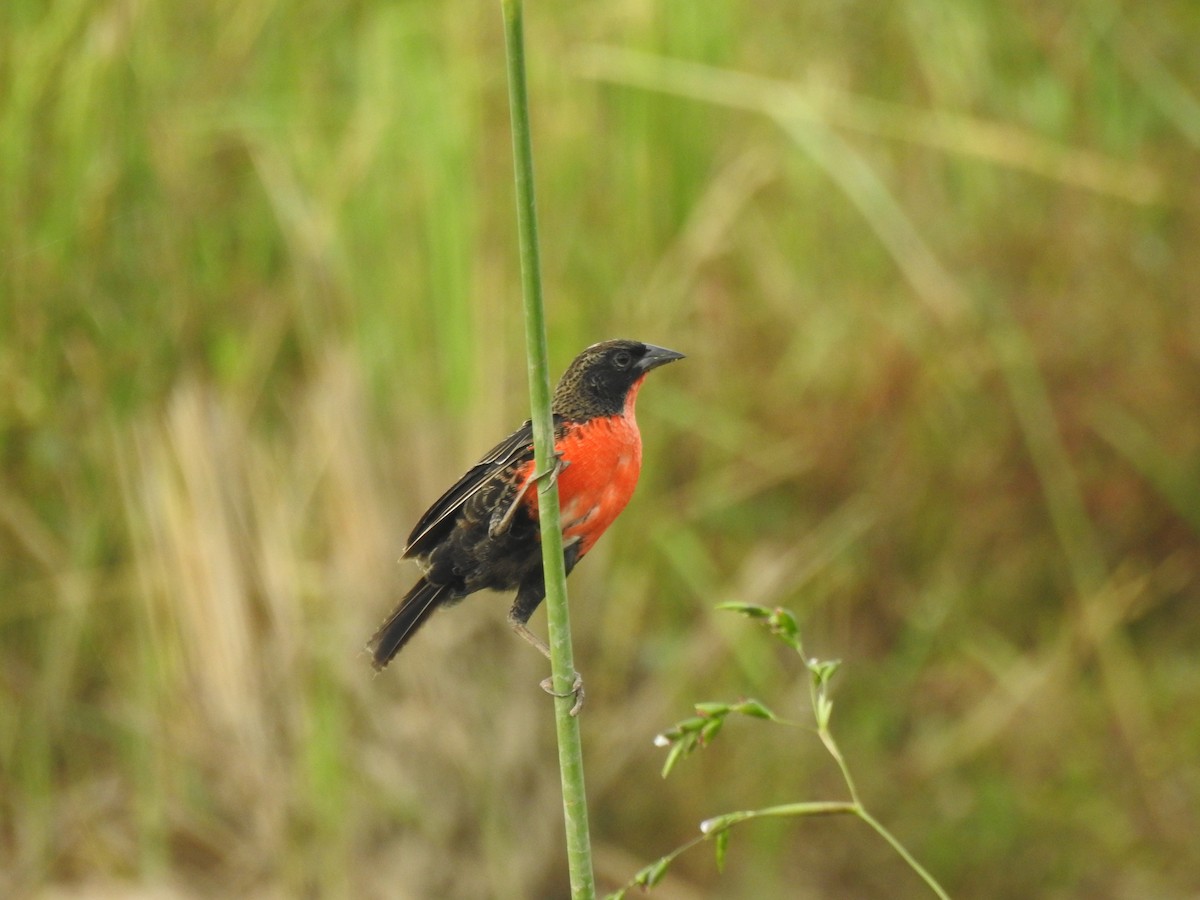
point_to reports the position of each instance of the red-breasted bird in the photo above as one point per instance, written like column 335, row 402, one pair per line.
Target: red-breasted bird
column 483, row 532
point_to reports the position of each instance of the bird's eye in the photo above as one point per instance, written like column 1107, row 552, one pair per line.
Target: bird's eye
column 622, row 359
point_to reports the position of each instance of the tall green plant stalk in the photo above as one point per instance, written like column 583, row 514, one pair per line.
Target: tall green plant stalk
column 562, row 665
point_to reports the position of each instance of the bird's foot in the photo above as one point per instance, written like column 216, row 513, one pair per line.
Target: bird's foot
column 576, row 691
column 547, row 477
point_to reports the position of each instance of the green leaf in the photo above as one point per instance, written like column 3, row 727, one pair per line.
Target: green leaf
column 677, row 750
column 784, row 623
column 754, row 709
column 712, row 709
column 721, row 842
column 653, row 873
column 746, row 609
column 709, row 731
column 823, row 669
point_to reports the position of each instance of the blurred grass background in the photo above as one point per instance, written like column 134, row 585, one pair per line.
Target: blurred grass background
column 936, row 271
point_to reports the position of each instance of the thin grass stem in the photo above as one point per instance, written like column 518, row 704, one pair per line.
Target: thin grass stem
column 570, row 749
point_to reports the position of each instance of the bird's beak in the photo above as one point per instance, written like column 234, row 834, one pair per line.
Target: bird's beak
column 657, row 356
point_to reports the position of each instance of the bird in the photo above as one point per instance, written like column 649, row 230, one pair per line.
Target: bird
column 483, row 532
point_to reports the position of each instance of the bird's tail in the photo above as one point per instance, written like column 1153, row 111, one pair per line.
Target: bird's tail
column 405, row 619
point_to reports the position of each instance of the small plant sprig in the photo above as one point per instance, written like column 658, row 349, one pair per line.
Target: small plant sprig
column 698, row 731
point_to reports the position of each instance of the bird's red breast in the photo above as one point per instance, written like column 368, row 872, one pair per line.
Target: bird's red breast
column 604, row 459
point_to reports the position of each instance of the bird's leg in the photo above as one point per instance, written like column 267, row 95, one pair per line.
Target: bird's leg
column 521, row 610
column 500, row 525
column 547, row 684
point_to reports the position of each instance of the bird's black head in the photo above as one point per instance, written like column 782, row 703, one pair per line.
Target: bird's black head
column 598, row 381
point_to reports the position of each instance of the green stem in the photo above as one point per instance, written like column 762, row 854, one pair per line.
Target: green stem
column 562, row 665
column 929, row 880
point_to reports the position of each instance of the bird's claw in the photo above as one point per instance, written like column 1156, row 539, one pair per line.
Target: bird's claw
column 549, row 476
column 576, row 691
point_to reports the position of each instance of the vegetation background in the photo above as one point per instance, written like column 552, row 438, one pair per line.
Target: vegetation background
column 936, row 269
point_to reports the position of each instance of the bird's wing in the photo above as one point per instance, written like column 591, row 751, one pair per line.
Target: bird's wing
column 439, row 519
